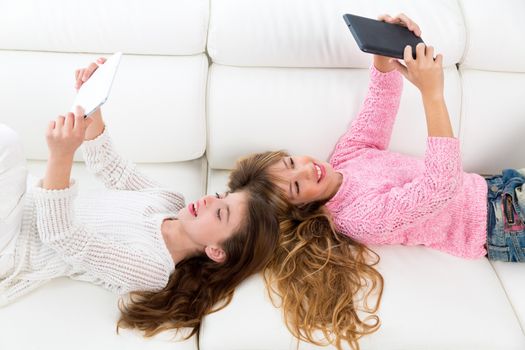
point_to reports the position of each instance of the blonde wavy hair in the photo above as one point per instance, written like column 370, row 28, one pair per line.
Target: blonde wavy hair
column 324, row 281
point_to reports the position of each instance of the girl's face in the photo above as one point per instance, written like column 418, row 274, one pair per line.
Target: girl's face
column 212, row 219
column 306, row 179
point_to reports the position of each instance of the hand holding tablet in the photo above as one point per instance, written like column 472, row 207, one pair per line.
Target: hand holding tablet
column 95, row 91
column 381, row 38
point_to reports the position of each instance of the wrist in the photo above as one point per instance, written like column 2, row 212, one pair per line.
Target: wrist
column 58, row 172
column 61, row 158
column 382, row 64
column 432, row 96
column 96, row 128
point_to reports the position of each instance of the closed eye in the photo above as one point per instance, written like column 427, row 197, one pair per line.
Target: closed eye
column 297, row 187
column 218, row 210
column 292, row 164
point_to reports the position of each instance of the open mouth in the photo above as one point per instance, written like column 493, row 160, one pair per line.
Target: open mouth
column 192, row 209
column 321, row 172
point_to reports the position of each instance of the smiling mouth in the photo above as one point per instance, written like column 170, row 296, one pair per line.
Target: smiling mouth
column 192, row 209
column 321, row 172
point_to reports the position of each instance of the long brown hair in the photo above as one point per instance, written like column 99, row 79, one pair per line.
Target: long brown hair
column 324, row 281
column 200, row 286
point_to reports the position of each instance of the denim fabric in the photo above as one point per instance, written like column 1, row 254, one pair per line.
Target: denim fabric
column 505, row 217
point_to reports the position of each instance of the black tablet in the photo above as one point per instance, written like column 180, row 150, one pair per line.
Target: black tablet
column 381, row 38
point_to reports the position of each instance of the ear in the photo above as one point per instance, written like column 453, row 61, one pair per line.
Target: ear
column 215, row 253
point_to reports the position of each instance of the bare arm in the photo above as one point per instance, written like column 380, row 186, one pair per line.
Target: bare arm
column 438, row 120
column 64, row 135
column 97, row 126
column 426, row 73
column 58, row 173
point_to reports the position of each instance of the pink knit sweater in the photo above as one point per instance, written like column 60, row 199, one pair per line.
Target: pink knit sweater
column 391, row 198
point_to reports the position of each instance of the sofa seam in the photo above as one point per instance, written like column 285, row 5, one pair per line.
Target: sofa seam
column 466, row 48
column 507, row 296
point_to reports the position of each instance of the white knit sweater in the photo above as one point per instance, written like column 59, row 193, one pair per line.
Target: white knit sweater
column 109, row 237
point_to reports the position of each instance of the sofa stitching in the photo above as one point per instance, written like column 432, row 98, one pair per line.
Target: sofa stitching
column 466, row 48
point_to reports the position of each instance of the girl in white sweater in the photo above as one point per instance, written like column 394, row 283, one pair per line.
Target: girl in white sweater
column 134, row 236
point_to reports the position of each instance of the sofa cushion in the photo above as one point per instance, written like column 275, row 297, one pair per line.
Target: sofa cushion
column 492, row 120
column 431, row 300
column 160, row 27
column 156, row 108
column 304, row 111
column 312, row 33
column 184, row 177
column 511, row 278
column 67, row 314
column 495, row 35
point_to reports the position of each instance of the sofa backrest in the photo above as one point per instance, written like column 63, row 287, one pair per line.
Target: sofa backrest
column 492, row 72
column 229, row 77
column 156, row 109
column 288, row 75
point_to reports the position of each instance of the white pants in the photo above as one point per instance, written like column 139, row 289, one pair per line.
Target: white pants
column 13, row 176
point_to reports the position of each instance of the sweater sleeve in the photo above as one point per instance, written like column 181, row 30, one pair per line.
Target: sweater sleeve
column 373, row 125
column 117, row 173
column 118, row 267
column 378, row 217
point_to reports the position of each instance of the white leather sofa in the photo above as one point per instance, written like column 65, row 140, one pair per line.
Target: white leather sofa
column 203, row 82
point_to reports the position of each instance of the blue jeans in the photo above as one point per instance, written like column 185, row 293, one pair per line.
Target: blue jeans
column 505, row 217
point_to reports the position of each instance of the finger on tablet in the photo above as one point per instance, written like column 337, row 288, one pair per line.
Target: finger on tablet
column 385, row 18
column 410, row 24
column 407, row 55
column 430, row 52
column 78, row 75
column 439, row 59
column 70, row 121
column 79, row 111
column 50, row 126
column 89, row 70
column 420, row 51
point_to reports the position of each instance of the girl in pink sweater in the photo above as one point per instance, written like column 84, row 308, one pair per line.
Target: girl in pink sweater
column 381, row 197
column 376, row 196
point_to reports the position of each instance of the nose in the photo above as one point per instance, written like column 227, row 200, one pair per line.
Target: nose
column 304, row 171
column 207, row 200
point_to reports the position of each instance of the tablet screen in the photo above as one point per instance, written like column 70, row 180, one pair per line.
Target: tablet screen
column 94, row 92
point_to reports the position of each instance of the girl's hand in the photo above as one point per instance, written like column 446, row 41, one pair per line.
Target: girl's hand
column 65, row 134
column 383, row 63
column 83, row 74
column 425, row 72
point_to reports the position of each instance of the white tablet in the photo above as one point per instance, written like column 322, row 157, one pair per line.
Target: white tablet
column 94, row 92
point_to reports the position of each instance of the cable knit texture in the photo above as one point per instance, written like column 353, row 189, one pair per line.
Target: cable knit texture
column 391, row 198
column 108, row 237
